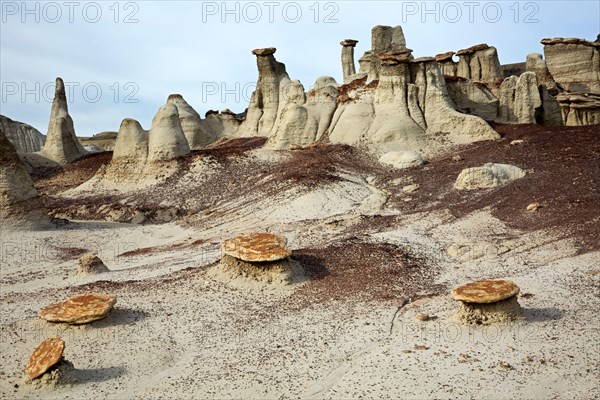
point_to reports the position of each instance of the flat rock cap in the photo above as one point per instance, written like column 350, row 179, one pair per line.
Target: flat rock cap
column 444, row 56
column 46, row 355
column 257, row 247
column 264, row 52
column 349, row 42
column 473, row 49
column 488, row 291
column 79, row 309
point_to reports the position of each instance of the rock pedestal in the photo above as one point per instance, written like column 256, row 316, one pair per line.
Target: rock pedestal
column 348, row 68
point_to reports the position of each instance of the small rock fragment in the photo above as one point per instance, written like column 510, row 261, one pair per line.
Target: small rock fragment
column 533, row 206
column 422, row 317
column 45, row 356
column 90, row 264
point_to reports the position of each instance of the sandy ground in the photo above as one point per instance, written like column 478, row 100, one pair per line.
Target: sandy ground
column 346, row 331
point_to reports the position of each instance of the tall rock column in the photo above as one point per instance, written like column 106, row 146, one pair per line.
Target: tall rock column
column 348, row 68
column 265, row 102
column 62, row 146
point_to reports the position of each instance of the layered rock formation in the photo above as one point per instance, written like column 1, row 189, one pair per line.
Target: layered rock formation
column 20, row 206
column 575, row 66
column 224, row 123
column 25, row 138
column 409, row 107
column 197, row 131
column 304, row 117
column 62, row 146
column 479, row 63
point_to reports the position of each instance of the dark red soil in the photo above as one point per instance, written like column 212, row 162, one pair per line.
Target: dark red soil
column 563, row 165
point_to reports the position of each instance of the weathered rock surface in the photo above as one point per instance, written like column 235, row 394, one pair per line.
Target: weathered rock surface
column 487, row 176
column 386, row 39
column 348, row 67
column 62, row 146
column 20, row 206
column 486, row 291
column 166, row 139
column 45, row 356
column 90, row 264
column 305, row 117
column 402, row 159
column 479, row 63
column 580, row 108
column 574, row 64
column 257, row 247
column 487, row 302
column 474, row 98
column 224, row 123
column 79, row 309
column 266, row 100
column 196, row 130
column 25, row 138
column 528, row 103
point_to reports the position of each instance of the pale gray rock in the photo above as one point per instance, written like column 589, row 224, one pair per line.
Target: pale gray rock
column 487, row 176
column 348, row 67
column 131, row 145
column 527, row 99
column 402, row 159
column 196, row 130
column 265, row 101
column 393, row 121
column 92, row 148
column 574, row 64
column 473, row 98
column 580, row 108
column 506, row 105
column 386, row 39
column 24, row 137
column 166, row 139
column 62, row 146
column 20, row 206
column 305, row 118
column 224, row 123
column 479, row 63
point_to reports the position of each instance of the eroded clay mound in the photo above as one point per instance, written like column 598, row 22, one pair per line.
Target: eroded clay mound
column 276, row 272
column 489, row 313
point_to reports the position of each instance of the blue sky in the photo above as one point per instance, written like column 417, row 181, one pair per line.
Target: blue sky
column 122, row 59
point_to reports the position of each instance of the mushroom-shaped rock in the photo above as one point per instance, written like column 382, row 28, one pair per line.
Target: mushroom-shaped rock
column 260, row 256
column 258, row 247
column 348, row 68
column 45, row 356
column 79, row 309
column 487, row 301
column 487, row 176
column 90, row 264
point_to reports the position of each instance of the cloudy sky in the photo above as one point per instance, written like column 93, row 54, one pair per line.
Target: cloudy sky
column 122, row 59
